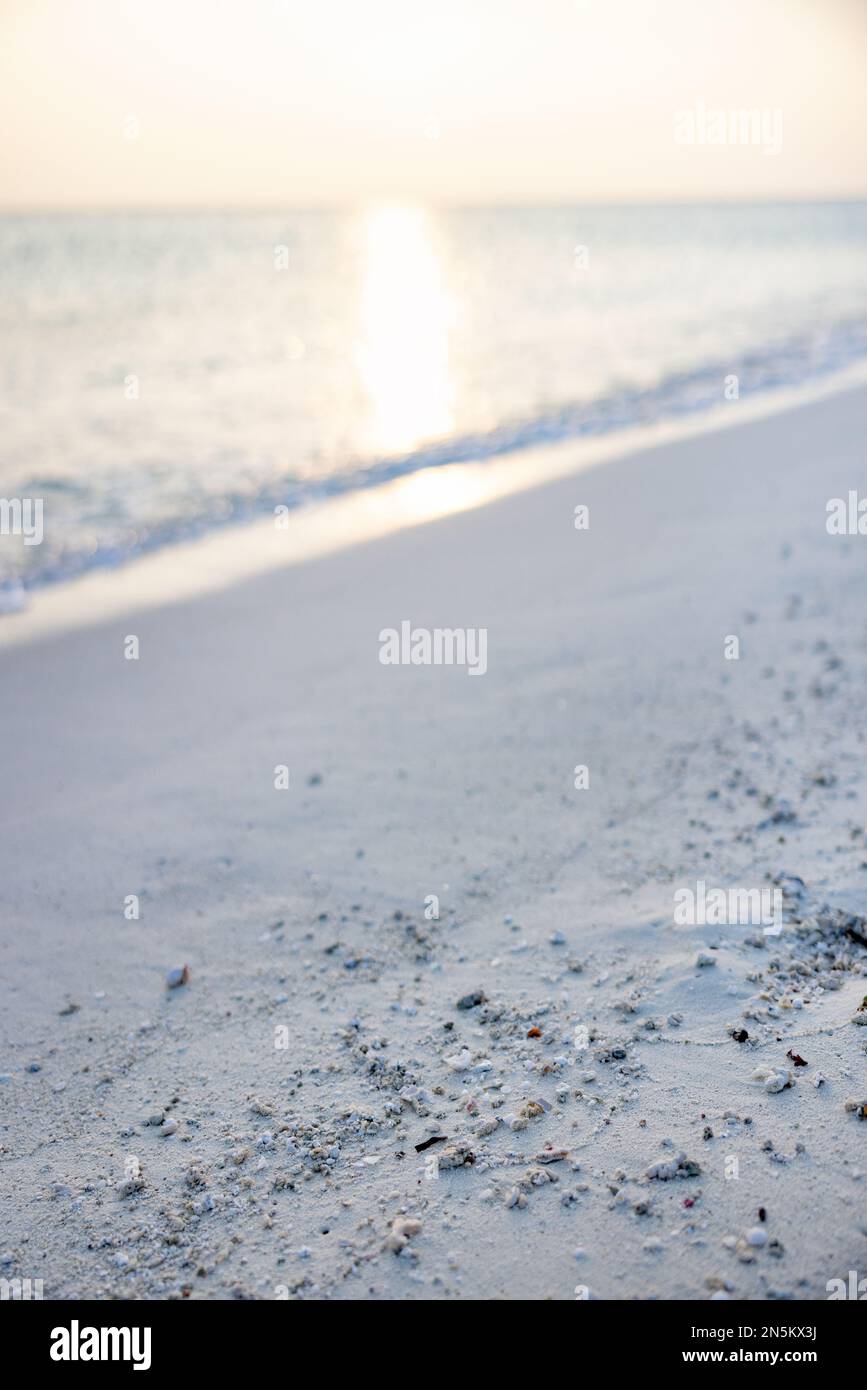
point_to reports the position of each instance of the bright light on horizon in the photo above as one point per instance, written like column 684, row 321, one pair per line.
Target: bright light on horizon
column 403, row 352
column 251, row 103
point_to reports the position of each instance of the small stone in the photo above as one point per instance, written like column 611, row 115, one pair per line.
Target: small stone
column 470, row 1001
column 168, row 1127
column 179, row 976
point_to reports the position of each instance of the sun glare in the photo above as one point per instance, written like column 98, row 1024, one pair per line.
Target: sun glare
column 403, row 352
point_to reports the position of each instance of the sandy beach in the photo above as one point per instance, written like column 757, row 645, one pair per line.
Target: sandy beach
column 431, row 933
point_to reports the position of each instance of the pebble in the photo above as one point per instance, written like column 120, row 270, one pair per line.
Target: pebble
column 179, row 976
column 703, row 959
column 168, row 1127
column 470, row 1001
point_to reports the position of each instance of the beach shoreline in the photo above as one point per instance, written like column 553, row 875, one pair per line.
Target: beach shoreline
column 177, row 572
column 308, row 907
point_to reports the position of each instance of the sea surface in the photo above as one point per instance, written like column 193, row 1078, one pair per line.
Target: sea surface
column 165, row 374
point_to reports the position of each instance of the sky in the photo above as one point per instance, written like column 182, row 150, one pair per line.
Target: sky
column 307, row 103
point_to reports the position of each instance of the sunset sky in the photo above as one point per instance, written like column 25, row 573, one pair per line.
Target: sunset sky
column 251, row 103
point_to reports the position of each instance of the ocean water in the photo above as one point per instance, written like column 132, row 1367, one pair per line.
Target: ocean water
column 161, row 375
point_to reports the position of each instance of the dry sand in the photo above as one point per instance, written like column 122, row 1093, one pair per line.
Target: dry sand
column 301, row 912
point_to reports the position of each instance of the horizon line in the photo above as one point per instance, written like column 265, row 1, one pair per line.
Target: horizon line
column 436, row 204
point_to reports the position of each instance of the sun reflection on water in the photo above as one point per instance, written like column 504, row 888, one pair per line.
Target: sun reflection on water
column 403, row 353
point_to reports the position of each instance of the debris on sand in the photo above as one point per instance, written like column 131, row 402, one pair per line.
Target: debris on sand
column 133, row 1182
column 774, row 1078
column 426, row 1143
column 403, row 1228
column 677, row 1167
column 856, row 1107
column 196, row 1176
column 460, row 1061
column 535, row 1177
column 528, row 1110
column 795, row 1058
column 179, row 976
column 456, row 1156
column 515, row 1198
column 472, row 1000
column 704, row 959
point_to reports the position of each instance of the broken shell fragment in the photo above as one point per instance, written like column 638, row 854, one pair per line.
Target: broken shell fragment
column 456, row 1155
column 402, row 1229
column 678, row 1167
column 856, row 1107
column 774, row 1078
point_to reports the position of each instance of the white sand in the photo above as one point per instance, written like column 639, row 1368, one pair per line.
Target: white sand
column 605, row 647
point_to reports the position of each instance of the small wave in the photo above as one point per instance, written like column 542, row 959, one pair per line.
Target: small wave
column 785, row 364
